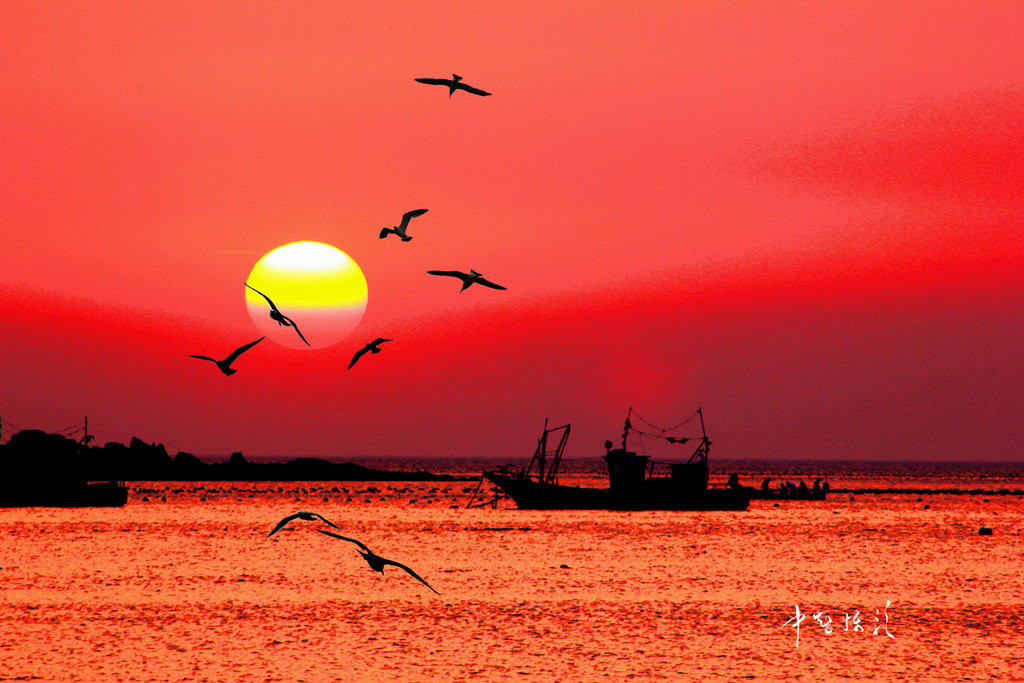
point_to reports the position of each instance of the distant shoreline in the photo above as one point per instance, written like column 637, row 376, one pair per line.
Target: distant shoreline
column 35, row 458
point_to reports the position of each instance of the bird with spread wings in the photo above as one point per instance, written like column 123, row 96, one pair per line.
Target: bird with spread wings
column 225, row 365
column 303, row 515
column 372, row 347
column 376, row 562
column 454, row 83
column 403, row 226
column 468, row 279
column 275, row 314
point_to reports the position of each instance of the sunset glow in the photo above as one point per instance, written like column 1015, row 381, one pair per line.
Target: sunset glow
column 319, row 286
column 801, row 222
column 697, row 203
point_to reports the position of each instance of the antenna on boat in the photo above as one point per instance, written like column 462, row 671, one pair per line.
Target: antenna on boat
column 701, row 454
column 626, row 427
column 541, row 448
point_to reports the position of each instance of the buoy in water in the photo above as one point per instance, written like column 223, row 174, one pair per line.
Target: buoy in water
column 984, row 531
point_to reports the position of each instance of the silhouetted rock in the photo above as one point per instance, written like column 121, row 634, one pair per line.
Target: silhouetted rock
column 147, row 461
column 186, row 466
column 108, row 461
column 51, row 459
column 309, row 469
column 48, row 470
column 32, row 457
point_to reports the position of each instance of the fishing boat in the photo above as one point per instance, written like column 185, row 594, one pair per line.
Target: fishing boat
column 632, row 481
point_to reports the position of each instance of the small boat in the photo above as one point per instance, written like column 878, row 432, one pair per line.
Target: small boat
column 785, row 494
column 633, row 484
column 785, row 491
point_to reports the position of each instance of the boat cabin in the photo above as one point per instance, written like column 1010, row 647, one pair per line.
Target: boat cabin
column 627, row 470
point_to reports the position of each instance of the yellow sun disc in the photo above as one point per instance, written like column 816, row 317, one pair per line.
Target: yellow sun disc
column 317, row 288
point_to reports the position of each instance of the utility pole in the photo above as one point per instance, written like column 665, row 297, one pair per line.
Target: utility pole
column 86, row 438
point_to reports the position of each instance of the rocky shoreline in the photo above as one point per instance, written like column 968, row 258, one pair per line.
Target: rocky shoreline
column 36, row 456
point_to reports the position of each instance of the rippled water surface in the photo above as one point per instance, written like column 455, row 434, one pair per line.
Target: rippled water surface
column 181, row 584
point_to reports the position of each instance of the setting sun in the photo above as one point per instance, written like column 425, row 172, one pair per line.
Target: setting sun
column 316, row 286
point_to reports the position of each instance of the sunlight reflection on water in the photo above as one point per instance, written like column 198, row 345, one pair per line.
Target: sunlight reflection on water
column 190, row 589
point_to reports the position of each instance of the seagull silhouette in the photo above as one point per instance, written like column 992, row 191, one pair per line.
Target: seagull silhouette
column 467, row 280
column 376, row 562
column 225, row 365
column 301, row 514
column 372, row 347
column 277, row 315
column 454, row 83
column 401, row 228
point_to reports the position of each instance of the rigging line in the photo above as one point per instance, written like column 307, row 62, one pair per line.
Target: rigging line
column 10, row 424
column 684, row 422
column 77, row 426
column 662, row 436
column 645, row 420
column 668, row 429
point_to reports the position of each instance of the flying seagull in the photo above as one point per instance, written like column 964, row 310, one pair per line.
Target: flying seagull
column 467, row 280
column 225, row 365
column 301, row 514
column 401, row 228
column 372, row 347
column 376, row 562
column 277, row 315
column 454, row 83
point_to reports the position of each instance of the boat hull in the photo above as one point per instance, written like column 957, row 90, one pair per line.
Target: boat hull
column 99, row 494
column 653, row 494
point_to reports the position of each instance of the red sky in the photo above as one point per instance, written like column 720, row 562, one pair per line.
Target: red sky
column 804, row 217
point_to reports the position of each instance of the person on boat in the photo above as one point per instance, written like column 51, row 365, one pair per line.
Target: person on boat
column 764, row 484
column 802, row 489
column 817, row 485
column 734, row 482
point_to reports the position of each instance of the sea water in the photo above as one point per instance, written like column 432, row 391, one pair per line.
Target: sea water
column 181, row 584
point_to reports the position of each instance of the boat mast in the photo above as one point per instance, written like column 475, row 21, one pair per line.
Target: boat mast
column 626, row 427
column 705, row 445
column 542, row 447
